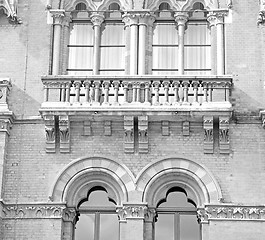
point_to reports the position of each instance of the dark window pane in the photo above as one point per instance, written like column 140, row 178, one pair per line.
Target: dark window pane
column 85, row 227
column 164, row 228
column 189, row 227
column 109, row 227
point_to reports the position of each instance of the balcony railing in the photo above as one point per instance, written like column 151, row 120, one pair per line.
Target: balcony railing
column 137, row 92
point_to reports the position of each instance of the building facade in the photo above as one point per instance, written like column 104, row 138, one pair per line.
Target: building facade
column 132, row 120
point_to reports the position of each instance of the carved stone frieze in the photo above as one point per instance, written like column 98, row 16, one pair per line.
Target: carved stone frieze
column 225, row 212
column 208, row 134
column 143, row 134
column 224, row 143
column 64, row 131
column 33, row 211
column 50, row 133
column 128, row 134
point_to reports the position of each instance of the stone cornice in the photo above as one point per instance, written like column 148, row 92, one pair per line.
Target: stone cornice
column 231, row 213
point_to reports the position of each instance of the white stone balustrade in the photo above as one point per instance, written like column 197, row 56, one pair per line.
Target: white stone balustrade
column 137, row 91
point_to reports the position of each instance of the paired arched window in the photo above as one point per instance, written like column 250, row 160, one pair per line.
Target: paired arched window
column 177, row 217
column 98, row 219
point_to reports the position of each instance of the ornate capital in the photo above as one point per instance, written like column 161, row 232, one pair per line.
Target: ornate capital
column 97, row 19
column 132, row 211
column 216, row 17
column 58, row 16
column 146, row 19
column 181, row 19
column 67, row 19
column 70, row 215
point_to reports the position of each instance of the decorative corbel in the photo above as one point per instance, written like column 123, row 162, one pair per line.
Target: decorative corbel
column 143, row 134
column 224, row 143
column 10, row 9
column 50, row 133
column 165, row 128
column 208, row 134
column 107, row 128
column 128, row 134
column 186, row 128
column 64, row 130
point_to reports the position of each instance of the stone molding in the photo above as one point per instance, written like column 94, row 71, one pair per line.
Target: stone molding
column 231, row 212
column 38, row 211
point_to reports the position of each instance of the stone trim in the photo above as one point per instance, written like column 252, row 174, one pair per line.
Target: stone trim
column 231, row 213
column 38, row 211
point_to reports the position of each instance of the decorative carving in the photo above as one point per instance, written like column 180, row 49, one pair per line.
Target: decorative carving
column 150, row 215
column 181, row 19
column 262, row 116
column 64, row 131
column 10, row 9
column 143, row 134
column 229, row 212
column 33, row 211
column 70, row 215
column 216, row 17
column 165, row 128
column 128, row 134
column 261, row 17
column 58, row 16
column 107, row 128
column 50, row 133
column 208, row 134
column 224, row 142
column 133, row 211
column 186, row 128
column 97, row 19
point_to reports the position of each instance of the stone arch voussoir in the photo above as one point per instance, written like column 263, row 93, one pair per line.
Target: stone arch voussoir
column 157, row 178
column 77, row 178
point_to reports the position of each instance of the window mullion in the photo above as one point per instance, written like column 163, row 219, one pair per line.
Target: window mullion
column 176, row 226
column 97, row 226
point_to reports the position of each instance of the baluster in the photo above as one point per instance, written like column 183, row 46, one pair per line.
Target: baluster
column 195, row 90
column 77, row 85
column 146, row 93
column 106, row 85
column 210, row 91
column 116, row 85
column 205, row 92
column 156, row 85
column 138, row 86
column 227, row 91
column 176, row 92
column 67, row 93
column 62, row 92
column 166, row 85
column 87, row 87
column 46, row 92
column 92, row 93
column 134, row 86
column 125, row 90
column 97, row 92
column 185, row 93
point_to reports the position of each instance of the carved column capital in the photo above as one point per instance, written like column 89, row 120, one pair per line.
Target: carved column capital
column 181, row 19
column 67, row 19
column 146, row 19
column 58, row 16
column 64, row 130
column 130, row 19
column 70, row 215
column 97, row 19
column 132, row 211
column 216, row 17
column 50, row 133
column 224, row 142
column 208, row 134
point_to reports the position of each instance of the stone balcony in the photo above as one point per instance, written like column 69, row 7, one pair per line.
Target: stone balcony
column 76, row 95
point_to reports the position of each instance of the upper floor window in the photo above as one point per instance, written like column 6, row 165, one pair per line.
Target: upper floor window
column 96, row 43
column 177, row 218
column 98, row 219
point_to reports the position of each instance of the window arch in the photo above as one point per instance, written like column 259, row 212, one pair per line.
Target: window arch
column 177, row 217
column 98, row 219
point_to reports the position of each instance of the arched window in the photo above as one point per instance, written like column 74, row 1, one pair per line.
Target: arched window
column 98, row 219
column 96, row 44
column 197, row 42
column 176, row 217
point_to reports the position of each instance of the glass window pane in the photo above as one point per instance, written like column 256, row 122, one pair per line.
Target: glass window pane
column 81, row 34
column 164, row 228
column 109, row 227
column 165, row 33
column 112, row 58
column 197, row 34
column 165, row 58
column 189, row 227
column 80, row 58
column 85, row 227
column 113, row 34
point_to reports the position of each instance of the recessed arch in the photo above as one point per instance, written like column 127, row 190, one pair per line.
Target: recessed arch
column 208, row 4
column 157, row 178
column 154, row 5
column 71, row 5
column 75, row 181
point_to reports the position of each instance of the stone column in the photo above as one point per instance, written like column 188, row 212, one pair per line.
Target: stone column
column 69, row 218
column 97, row 20
column 58, row 16
column 212, row 20
column 66, row 37
column 181, row 20
column 220, row 43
